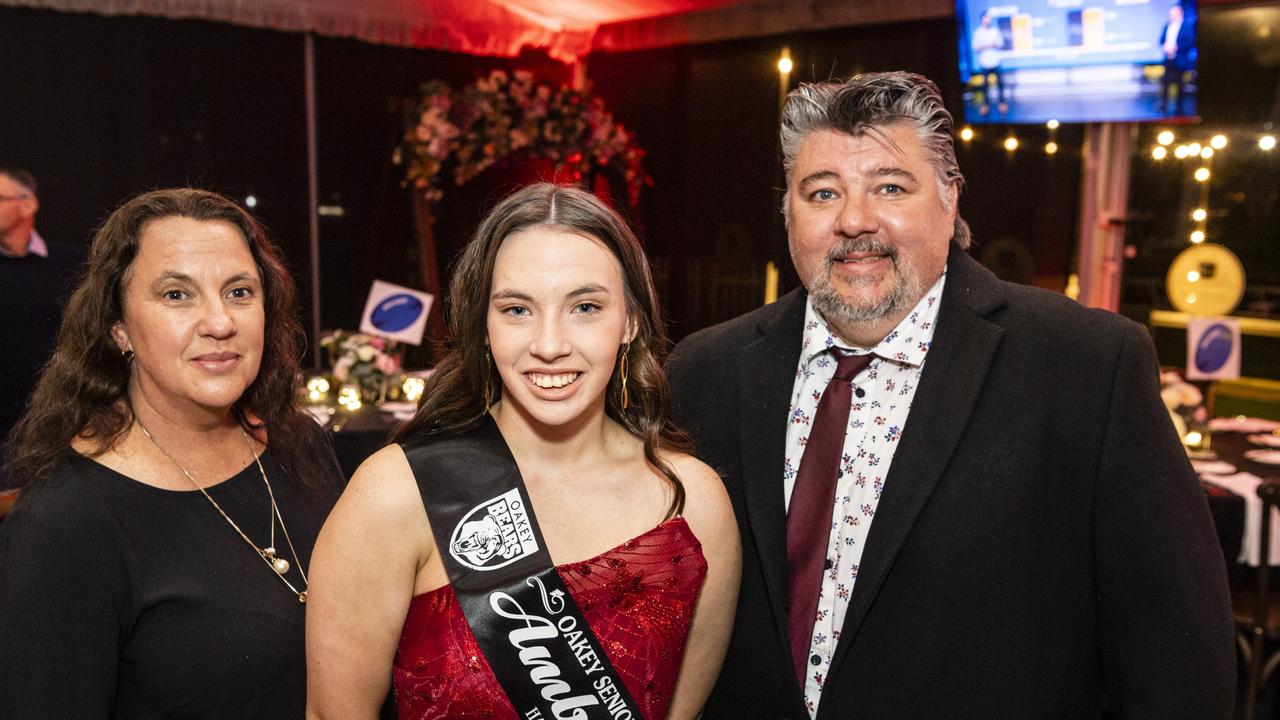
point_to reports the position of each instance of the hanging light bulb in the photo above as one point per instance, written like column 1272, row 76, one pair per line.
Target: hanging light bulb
column 1202, row 174
column 1159, row 152
column 966, row 133
column 1052, row 124
column 1267, row 142
column 1011, row 143
column 1165, row 138
column 1217, row 142
column 1199, row 214
column 1050, row 147
column 1197, row 237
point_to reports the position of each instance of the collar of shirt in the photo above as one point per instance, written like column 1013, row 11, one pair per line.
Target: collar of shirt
column 900, row 345
column 35, row 246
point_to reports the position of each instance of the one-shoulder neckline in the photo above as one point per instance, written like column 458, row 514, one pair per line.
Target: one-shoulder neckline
column 678, row 521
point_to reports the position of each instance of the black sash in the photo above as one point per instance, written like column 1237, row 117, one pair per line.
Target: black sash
column 540, row 647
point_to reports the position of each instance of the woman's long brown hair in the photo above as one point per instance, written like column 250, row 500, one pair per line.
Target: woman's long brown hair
column 465, row 377
column 83, row 391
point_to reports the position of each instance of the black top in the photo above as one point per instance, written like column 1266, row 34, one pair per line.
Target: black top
column 31, row 292
column 123, row 600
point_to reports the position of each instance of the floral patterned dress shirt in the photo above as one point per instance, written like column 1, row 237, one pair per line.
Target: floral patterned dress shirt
column 881, row 400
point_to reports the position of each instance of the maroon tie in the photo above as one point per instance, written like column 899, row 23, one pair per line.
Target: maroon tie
column 812, row 502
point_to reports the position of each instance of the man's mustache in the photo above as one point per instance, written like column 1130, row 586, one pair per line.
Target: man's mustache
column 850, row 246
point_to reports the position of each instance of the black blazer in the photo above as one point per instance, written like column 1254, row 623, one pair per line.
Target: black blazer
column 1186, row 41
column 1041, row 540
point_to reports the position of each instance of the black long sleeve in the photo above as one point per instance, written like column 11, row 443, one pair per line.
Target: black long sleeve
column 122, row 600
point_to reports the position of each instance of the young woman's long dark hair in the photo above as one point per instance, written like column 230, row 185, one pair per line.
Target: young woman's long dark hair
column 83, row 391
column 465, row 379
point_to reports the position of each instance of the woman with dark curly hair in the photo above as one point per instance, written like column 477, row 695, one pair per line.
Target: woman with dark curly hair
column 537, row 543
column 156, row 562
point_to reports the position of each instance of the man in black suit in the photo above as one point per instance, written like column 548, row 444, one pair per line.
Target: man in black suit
column 35, row 276
column 1177, row 42
column 1015, row 531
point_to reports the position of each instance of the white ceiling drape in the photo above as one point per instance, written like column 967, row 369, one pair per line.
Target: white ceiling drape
column 566, row 29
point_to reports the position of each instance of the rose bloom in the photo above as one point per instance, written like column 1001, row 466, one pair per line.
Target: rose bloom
column 387, row 364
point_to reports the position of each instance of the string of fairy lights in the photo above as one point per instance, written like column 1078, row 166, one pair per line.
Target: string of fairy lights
column 1200, row 154
column 1197, row 151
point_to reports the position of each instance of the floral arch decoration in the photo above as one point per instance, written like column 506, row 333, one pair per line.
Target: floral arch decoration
column 470, row 130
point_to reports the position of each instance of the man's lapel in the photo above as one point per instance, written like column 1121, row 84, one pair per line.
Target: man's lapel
column 964, row 344
column 766, row 374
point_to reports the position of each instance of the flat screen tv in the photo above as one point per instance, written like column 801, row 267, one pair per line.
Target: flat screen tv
column 1078, row 60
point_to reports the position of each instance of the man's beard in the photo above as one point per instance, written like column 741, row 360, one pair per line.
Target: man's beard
column 835, row 308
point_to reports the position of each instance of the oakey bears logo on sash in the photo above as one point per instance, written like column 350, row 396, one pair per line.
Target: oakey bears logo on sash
column 494, row 533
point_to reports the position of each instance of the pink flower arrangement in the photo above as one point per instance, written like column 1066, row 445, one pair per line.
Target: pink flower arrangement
column 367, row 360
column 501, row 114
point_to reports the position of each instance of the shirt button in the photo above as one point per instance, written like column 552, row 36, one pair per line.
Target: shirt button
column 859, row 392
column 826, row 564
column 815, row 659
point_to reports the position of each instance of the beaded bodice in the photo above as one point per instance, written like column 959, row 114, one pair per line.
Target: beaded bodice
column 638, row 598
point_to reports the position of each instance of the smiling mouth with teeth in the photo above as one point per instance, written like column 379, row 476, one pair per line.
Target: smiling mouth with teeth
column 553, row 381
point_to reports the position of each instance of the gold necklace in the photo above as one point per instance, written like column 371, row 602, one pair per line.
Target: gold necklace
column 268, row 554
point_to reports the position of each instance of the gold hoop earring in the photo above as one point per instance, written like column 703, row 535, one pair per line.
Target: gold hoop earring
column 622, row 372
column 488, row 380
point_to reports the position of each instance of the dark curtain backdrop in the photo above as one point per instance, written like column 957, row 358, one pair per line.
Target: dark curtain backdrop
column 100, row 109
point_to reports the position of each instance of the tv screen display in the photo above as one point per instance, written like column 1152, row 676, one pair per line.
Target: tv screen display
column 1077, row 60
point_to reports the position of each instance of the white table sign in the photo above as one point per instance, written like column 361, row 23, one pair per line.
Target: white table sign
column 1213, row 348
column 396, row 313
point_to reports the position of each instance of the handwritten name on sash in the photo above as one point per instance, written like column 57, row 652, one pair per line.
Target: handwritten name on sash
column 531, row 641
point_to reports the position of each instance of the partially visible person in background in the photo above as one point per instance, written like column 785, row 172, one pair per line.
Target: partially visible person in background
column 1177, row 43
column 156, row 562
column 34, row 278
column 988, row 41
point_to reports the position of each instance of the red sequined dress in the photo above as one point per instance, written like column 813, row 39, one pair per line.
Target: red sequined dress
column 638, row 598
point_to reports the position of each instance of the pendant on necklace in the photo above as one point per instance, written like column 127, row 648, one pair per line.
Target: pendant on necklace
column 302, row 597
column 279, row 564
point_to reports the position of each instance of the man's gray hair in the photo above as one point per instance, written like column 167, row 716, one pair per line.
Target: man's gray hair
column 866, row 103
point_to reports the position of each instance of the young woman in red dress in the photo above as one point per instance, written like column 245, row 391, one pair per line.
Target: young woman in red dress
column 556, row 337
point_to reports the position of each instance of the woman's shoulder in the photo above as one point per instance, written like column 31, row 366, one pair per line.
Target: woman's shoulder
column 79, row 501
column 706, row 501
column 384, row 486
column 693, row 473
column 74, row 480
